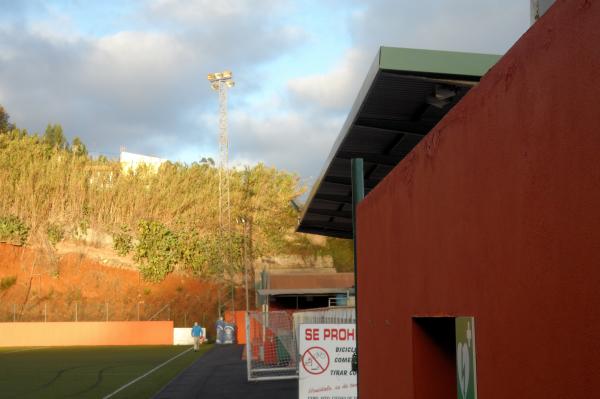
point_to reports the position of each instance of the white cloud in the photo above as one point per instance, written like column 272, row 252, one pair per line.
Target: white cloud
column 335, row 89
column 458, row 25
column 290, row 140
column 198, row 11
column 133, row 87
column 137, row 69
column 144, row 86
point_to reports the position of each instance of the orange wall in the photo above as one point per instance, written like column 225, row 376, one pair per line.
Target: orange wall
column 496, row 214
column 86, row 333
column 240, row 324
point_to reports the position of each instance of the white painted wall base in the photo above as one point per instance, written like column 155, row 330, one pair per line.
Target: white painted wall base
column 183, row 336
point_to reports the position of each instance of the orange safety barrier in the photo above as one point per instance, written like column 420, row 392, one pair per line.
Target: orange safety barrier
column 86, row 333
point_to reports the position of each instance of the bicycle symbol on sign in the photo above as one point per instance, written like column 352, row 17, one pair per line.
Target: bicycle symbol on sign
column 315, row 360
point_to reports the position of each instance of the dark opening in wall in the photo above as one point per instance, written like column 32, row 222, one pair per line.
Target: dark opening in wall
column 434, row 357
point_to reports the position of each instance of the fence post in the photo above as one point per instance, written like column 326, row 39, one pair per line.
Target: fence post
column 45, row 312
column 76, row 311
column 248, row 343
column 14, row 313
column 106, row 310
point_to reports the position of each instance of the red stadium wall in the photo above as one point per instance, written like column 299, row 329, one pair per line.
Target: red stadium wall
column 496, row 215
column 86, row 333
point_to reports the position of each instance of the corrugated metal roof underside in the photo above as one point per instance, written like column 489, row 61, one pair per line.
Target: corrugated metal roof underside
column 393, row 112
column 304, row 291
column 311, row 281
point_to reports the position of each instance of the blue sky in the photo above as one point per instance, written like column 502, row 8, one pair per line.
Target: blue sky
column 133, row 73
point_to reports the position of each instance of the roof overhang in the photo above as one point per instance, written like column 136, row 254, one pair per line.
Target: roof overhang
column 405, row 94
column 305, row 291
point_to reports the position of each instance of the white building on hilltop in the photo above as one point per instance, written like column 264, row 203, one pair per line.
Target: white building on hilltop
column 130, row 161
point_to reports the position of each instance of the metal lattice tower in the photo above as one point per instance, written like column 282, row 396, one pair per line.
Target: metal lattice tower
column 220, row 82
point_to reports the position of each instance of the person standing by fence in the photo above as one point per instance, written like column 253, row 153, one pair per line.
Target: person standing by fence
column 197, row 334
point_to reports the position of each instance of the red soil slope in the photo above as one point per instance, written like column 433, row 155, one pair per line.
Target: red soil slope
column 56, row 288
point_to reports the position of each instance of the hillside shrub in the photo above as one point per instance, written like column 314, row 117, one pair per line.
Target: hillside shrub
column 81, row 229
column 13, row 230
column 46, row 178
column 123, row 241
column 7, row 282
column 55, row 233
column 157, row 251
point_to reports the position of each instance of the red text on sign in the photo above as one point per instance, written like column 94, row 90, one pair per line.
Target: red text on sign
column 311, row 334
column 338, row 334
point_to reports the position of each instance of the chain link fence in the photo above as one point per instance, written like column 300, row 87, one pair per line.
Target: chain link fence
column 271, row 350
column 88, row 311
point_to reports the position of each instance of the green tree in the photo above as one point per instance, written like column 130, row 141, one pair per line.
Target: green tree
column 342, row 253
column 208, row 161
column 5, row 125
column 182, row 201
column 54, row 137
column 158, row 250
column 78, row 148
column 264, row 196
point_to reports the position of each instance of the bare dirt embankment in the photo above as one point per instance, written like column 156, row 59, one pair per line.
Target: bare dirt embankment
column 37, row 284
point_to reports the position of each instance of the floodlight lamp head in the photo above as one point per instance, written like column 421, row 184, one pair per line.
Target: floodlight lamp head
column 215, row 85
column 230, row 83
column 219, row 75
column 444, row 93
column 436, row 102
column 227, row 74
column 211, row 77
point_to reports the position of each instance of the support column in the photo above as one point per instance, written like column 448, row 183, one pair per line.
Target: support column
column 358, row 193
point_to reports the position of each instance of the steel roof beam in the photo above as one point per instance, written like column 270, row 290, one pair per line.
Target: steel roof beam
column 386, row 160
column 342, row 227
column 346, row 181
column 390, row 131
column 330, row 212
column 345, row 199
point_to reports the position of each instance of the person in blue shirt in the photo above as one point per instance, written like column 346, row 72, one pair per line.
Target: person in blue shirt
column 197, row 334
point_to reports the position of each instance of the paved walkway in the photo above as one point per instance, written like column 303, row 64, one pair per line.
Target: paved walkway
column 221, row 374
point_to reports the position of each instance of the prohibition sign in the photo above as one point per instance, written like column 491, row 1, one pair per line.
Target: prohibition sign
column 315, row 360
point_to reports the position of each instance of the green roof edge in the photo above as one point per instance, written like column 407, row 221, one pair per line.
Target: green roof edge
column 436, row 62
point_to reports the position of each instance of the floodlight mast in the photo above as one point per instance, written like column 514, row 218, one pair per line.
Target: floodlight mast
column 220, row 82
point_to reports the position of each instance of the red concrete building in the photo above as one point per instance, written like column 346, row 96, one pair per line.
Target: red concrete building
column 494, row 215
column 305, row 290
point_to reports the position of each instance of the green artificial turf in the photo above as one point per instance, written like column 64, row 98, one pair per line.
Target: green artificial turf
column 89, row 372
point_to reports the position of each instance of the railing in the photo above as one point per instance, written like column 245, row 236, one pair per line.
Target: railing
column 336, row 315
column 86, row 311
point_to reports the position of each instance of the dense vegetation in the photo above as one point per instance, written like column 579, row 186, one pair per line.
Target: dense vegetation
column 53, row 190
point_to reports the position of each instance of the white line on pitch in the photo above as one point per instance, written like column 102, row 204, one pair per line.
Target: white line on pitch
column 110, row 395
